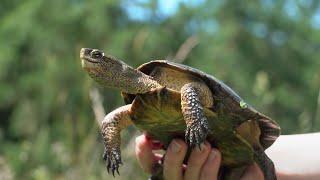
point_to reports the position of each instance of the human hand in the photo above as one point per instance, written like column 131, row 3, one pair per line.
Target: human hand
column 202, row 165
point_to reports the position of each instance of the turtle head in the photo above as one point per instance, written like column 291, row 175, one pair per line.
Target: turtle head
column 111, row 72
column 91, row 57
column 102, row 68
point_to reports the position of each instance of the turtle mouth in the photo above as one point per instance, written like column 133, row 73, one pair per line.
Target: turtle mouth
column 85, row 56
column 89, row 60
column 88, row 63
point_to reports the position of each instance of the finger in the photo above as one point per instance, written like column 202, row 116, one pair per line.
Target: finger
column 211, row 167
column 196, row 160
column 253, row 172
column 157, row 157
column 156, row 145
column 144, row 153
column 172, row 167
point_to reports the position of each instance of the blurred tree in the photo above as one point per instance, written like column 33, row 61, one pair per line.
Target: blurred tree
column 268, row 51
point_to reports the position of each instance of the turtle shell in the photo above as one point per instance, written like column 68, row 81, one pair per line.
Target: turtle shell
column 233, row 123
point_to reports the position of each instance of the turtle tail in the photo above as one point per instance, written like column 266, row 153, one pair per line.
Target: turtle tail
column 270, row 131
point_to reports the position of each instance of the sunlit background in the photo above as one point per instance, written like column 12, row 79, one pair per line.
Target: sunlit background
column 268, row 51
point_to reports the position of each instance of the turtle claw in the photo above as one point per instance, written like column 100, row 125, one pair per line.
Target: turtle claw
column 113, row 160
column 196, row 133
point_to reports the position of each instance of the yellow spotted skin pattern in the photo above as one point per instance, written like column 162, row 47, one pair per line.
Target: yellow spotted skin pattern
column 111, row 127
column 193, row 114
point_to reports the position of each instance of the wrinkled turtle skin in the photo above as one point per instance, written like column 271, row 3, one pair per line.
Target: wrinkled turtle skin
column 167, row 100
column 236, row 129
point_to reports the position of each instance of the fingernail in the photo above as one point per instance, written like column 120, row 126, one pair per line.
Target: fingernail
column 201, row 148
column 212, row 155
column 156, row 145
column 175, row 146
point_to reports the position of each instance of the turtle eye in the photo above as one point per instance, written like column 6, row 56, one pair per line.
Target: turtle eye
column 96, row 54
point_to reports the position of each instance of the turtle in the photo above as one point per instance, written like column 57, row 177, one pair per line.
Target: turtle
column 168, row 100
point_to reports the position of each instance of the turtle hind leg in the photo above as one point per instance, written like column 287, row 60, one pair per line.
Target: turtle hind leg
column 192, row 109
column 265, row 164
column 111, row 127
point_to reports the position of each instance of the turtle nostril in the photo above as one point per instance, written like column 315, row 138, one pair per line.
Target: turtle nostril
column 85, row 52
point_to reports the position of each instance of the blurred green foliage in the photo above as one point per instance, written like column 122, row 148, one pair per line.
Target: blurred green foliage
column 268, row 51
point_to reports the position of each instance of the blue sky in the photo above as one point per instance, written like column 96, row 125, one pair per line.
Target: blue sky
column 167, row 8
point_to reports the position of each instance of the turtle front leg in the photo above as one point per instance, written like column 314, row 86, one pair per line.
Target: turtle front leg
column 111, row 127
column 193, row 98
